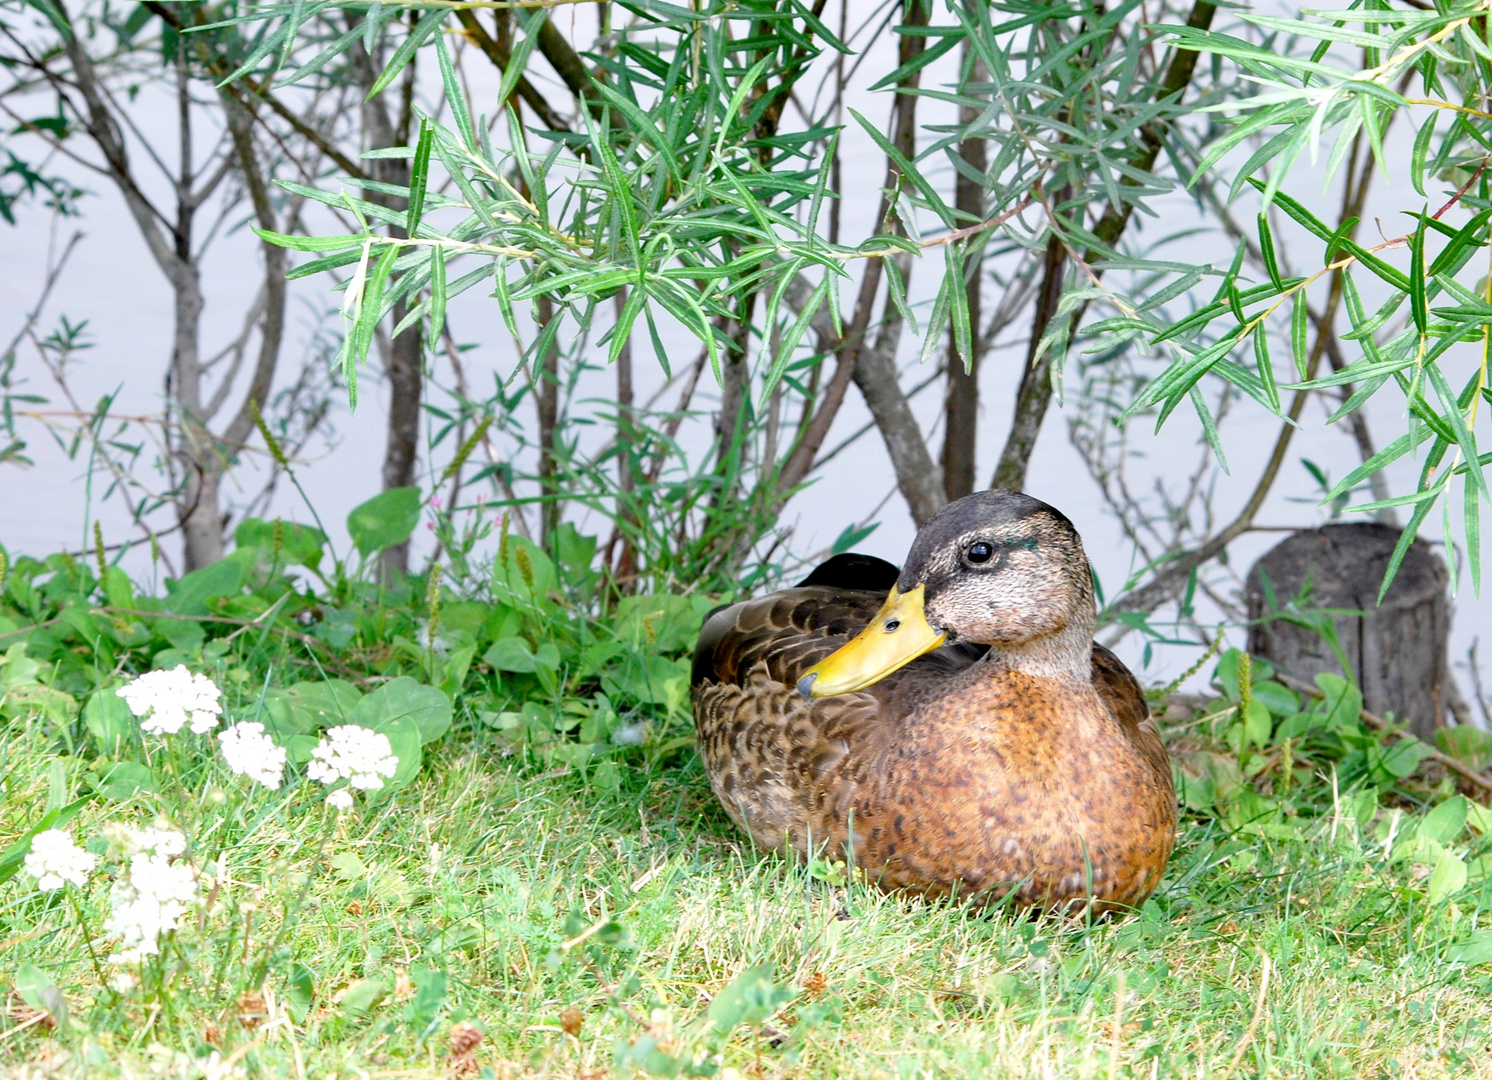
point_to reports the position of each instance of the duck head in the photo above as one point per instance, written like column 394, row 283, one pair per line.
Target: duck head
column 995, row 568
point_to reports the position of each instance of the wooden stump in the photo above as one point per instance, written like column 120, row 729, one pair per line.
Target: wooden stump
column 1397, row 650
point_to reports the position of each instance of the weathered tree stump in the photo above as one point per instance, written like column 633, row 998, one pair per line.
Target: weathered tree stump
column 1397, row 650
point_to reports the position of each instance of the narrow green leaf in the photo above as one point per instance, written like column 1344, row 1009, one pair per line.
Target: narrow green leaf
column 963, row 339
column 1266, row 367
column 504, row 296
column 794, row 334
column 371, row 308
column 737, row 99
column 419, row 178
column 1235, row 302
column 469, row 190
column 910, row 171
column 1421, row 151
column 1457, row 423
column 1473, row 530
column 1334, row 241
column 1300, row 319
column 1209, row 426
column 373, row 23
column 937, row 320
column 427, row 25
column 659, row 351
column 896, row 288
column 292, row 29
column 619, row 191
column 622, row 331
column 1266, row 246
column 1297, row 212
column 1411, row 530
column 1388, row 273
column 455, row 96
column 308, row 243
column 518, row 60
column 1419, row 305
column 437, row 295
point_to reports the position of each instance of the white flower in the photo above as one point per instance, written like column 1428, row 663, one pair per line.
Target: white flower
column 355, row 754
column 341, row 799
column 54, row 860
column 153, row 841
column 152, row 899
column 250, row 752
column 165, row 700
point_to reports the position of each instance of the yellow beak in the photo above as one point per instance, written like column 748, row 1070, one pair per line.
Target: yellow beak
column 897, row 635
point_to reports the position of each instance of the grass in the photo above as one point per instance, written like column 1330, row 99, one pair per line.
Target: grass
column 536, row 894
column 591, row 922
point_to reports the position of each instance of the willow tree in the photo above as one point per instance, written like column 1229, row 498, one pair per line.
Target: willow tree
column 690, row 178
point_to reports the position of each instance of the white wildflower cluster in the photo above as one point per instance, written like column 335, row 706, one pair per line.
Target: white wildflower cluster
column 153, row 897
column 348, row 752
column 250, row 752
column 54, row 860
column 166, row 700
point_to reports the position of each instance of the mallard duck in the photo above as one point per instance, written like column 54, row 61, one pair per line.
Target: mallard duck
column 951, row 727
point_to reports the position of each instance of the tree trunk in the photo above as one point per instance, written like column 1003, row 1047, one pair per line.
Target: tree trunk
column 961, row 409
column 404, row 361
column 1035, row 391
column 546, row 394
column 405, row 374
column 1036, row 386
column 625, row 574
column 1396, row 650
column 197, row 452
column 919, row 480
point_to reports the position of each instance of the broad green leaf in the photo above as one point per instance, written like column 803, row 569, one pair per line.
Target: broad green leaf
column 512, row 654
column 1475, row 950
column 294, row 544
column 405, row 698
column 384, row 521
column 39, row 991
column 362, row 997
column 1444, row 823
column 110, row 722
column 1447, row 877
column 323, row 703
column 126, row 780
column 193, row 593
column 300, row 992
column 749, row 998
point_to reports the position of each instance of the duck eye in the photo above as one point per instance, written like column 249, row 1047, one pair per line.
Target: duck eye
column 980, row 552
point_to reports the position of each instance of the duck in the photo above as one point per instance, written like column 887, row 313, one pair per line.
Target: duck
column 948, row 728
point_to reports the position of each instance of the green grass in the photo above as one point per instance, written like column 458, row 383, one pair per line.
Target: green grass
column 535, row 893
column 584, row 903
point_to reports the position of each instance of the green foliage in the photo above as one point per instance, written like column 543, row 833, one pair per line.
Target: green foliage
column 1339, row 77
column 384, row 521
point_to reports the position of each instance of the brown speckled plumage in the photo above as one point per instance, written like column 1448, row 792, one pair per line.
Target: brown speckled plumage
column 985, row 766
